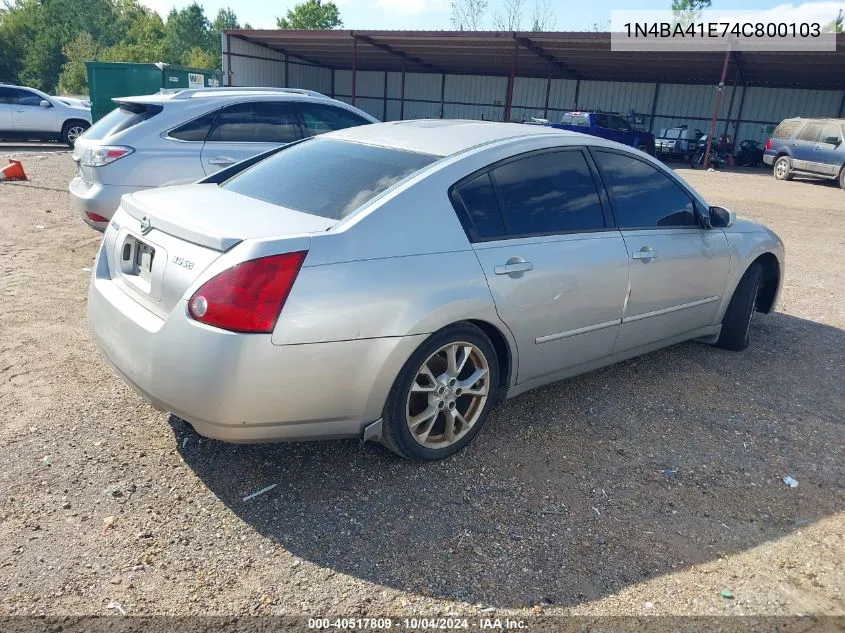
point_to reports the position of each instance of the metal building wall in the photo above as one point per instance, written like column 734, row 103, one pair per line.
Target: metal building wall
column 744, row 113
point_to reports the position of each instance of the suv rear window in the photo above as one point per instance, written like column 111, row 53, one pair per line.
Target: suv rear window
column 120, row 119
column 785, row 130
column 327, row 177
column 673, row 132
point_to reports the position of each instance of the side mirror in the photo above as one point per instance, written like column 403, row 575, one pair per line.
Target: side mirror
column 722, row 218
column 833, row 140
column 45, row 104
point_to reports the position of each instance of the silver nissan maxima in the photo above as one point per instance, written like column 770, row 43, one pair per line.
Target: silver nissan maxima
column 394, row 281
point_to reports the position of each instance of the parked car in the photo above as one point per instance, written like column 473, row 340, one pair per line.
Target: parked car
column 677, row 143
column 29, row 114
column 184, row 135
column 455, row 263
column 807, row 147
column 606, row 125
column 74, row 101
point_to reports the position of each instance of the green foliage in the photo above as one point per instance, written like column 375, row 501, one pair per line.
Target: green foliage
column 45, row 43
column 835, row 26
column 73, row 78
column 686, row 12
column 311, row 15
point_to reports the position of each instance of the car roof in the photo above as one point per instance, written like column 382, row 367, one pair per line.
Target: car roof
column 202, row 94
column 444, row 137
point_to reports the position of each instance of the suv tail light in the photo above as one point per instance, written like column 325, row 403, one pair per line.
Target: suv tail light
column 249, row 296
column 769, row 144
column 104, row 154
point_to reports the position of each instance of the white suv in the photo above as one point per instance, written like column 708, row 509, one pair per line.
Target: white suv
column 29, row 114
column 182, row 136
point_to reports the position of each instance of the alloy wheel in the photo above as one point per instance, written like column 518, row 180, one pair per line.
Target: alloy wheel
column 448, row 395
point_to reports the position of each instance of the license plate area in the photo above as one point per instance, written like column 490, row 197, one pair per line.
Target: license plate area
column 137, row 260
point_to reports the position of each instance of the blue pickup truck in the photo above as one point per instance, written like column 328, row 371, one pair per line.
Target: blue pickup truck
column 606, row 125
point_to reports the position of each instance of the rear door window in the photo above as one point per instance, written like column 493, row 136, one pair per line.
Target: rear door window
column 810, row 132
column 6, row 95
column 196, row 130
column 319, row 118
column 327, row 177
column 482, row 206
column 552, row 192
column 643, row 197
column 25, row 98
column 257, row 122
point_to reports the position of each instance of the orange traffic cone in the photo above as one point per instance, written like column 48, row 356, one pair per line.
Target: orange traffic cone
column 13, row 171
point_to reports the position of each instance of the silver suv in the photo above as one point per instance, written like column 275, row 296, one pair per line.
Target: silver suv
column 29, row 114
column 178, row 137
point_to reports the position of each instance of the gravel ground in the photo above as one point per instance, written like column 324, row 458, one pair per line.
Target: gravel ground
column 561, row 505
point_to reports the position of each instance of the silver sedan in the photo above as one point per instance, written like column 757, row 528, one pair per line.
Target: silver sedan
column 394, row 281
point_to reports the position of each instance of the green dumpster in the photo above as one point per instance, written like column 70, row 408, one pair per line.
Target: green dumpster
column 107, row 80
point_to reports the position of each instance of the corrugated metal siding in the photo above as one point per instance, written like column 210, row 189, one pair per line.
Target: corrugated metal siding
column 562, row 94
column 423, row 86
column 769, row 104
column 680, row 100
column 476, row 89
column 616, row 97
column 529, row 93
column 310, row 78
column 394, row 85
column 264, row 67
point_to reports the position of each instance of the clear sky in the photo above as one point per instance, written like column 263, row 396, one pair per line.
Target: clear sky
column 570, row 15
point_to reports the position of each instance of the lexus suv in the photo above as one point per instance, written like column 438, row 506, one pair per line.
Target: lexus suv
column 181, row 136
column 28, row 114
column 807, row 147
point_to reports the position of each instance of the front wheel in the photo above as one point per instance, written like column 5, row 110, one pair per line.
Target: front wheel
column 443, row 394
column 736, row 324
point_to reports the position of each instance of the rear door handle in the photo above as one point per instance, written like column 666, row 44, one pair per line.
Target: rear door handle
column 514, row 265
column 221, row 161
column 645, row 254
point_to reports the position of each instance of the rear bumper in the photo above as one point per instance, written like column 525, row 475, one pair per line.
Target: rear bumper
column 240, row 387
column 95, row 198
column 768, row 159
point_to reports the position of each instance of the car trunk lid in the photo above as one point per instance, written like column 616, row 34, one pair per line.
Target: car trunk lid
column 216, row 218
column 160, row 241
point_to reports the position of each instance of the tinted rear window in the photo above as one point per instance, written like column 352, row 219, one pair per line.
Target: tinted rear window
column 673, row 133
column 785, row 129
column 121, row 119
column 327, row 177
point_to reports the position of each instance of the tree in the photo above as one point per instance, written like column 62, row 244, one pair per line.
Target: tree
column 835, row 26
column 468, row 15
column 511, row 19
column 225, row 20
column 311, row 15
column 543, row 17
column 686, row 12
column 74, row 77
column 186, row 29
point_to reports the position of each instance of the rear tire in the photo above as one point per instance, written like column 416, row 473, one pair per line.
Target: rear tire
column 72, row 130
column 427, row 372
column 842, row 178
column 783, row 168
column 697, row 160
column 736, row 323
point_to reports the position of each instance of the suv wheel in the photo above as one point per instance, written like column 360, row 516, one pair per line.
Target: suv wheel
column 783, row 168
column 842, row 178
column 72, row 130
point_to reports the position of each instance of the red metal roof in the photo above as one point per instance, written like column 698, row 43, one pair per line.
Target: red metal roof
column 574, row 55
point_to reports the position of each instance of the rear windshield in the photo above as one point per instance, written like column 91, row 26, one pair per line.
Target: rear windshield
column 785, row 129
column 121, row 118
column 327, row 177
column 673, row 133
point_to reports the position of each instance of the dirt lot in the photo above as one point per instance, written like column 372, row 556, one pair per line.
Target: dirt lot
column 561, row 505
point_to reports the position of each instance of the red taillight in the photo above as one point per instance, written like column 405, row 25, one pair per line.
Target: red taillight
column 249, row 296
column 769, row 144
column 96, row 217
